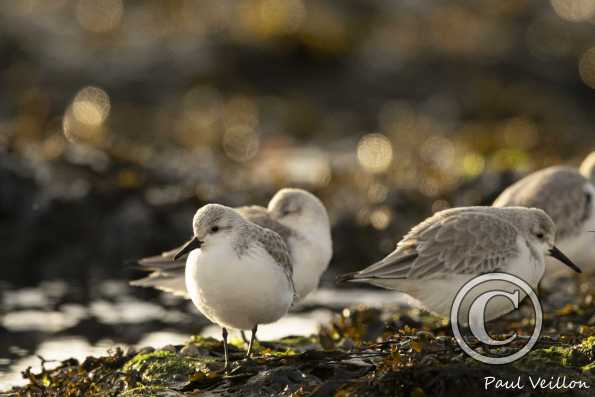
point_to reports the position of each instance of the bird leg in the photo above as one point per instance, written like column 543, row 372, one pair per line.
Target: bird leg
column 244, row 337
column 252, row 341
column 225, row 350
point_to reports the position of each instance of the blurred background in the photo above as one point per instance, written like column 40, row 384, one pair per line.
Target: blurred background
column 118, row 119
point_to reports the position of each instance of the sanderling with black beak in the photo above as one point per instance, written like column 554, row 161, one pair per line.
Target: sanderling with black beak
column 238, row 274
column 296, row 215
column 438, row 256
column 566, row 195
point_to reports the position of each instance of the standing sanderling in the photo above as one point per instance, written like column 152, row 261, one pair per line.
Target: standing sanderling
column 438, row 256
column 566, row 195
column 296, row 215
column 238, row 274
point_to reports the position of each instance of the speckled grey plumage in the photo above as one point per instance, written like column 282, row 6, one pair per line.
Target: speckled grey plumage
column 246, row 234
column 262, row 217
column 469, row 240
column 559, row 191
column 165, row 261
column 273, row 244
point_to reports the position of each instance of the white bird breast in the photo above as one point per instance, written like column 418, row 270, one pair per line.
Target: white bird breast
column 237, row 293
column 311, row 256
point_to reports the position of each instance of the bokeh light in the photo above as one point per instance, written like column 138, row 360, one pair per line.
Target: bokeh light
column 308, row 167
column 99, row 16
column 91, row 106
column 380, row 218
column 240, row 143
column 574, row 10
column 375, row 153
column 473, row 164
column 586, row 67
column 83, row 120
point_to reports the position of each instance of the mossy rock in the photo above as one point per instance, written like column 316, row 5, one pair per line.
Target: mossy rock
column 169, row 369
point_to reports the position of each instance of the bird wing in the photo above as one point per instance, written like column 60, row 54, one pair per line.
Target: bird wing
column 459, row 242
column 262, row 217
column 277, row 248
column 559, row 191
column 172, row 282
column 166, row 274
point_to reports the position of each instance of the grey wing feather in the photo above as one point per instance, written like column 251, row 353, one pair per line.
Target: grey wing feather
column 262, row 217
column 454, row 243
column 559, row 191
column 166, row 274
column 172, row 282
column 277, row 248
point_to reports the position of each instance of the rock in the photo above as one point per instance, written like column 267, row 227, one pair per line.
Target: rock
column 146, row 350
column 169, row 348
column 190, row 351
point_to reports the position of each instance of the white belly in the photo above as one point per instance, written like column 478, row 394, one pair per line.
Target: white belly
column 310, row 259
column 439, row 296
column 238, row 294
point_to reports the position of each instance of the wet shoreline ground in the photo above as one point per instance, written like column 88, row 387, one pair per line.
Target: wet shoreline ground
column 388, row 350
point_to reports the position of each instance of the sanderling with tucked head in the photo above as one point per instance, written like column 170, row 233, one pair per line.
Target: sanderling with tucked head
column 296, row 215
column 438, row 256
column 238, row 274
column 566, row 195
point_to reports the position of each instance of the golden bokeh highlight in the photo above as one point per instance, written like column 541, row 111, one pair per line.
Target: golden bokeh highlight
column 440, row 205
column 375, row 153
column 308, row 167
column 473, row 164
column 380, row 218
column 268, row 18
column 240, row 143
column 99, row 16
column 83, row 120
column 574, row 10
column 586, row 67
column 91, row 106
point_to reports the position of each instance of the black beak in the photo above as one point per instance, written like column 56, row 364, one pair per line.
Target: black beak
column 556, row 253
column 186, row 248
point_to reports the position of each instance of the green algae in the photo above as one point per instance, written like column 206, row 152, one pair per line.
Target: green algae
column 169, row 369
column 578, row 356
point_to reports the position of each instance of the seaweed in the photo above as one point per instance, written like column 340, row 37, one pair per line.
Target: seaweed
column 356, row 354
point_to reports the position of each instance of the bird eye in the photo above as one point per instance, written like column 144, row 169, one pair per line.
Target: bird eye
column 214, row 229
column 539, row 235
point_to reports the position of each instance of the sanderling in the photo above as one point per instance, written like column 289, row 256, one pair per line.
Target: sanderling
column 438, row 256
column 566, row 195
column 296, row 215
column 238, row 274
